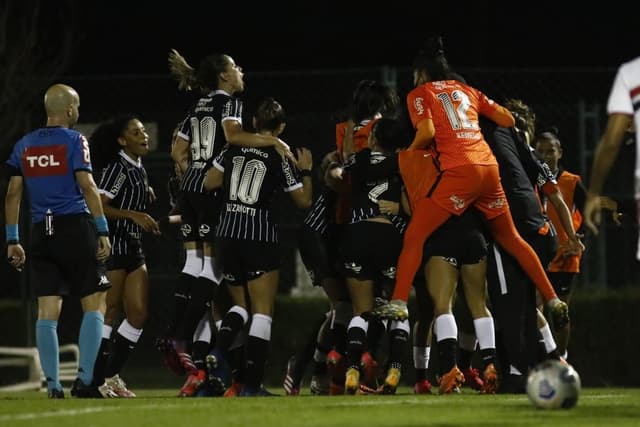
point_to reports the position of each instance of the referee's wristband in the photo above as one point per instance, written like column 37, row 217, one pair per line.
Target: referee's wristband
column 101, row 225
column 305, row 172
column 13, row 236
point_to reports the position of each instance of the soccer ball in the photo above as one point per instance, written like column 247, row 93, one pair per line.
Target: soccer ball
column 553, row 385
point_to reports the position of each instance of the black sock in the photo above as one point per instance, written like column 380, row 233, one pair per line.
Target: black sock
column 447, row 354
column 397, row 347
column 238, row 362
column 180, row 301
column 374, row 333
column 256, row 358
column 104, row 354
column 464, row 358
column 199, row 302
column 340, row 338
column 232, row 324
column 488, row 355
column 356, row 340
column 122, row 348
column 421, row 374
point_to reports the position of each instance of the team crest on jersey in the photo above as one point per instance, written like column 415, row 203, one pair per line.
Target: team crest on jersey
column 204, row 230
column 458, row 203
column 186, row 230
column 389, row 273
column 417, row 104
column 50, row 160
column 352, row 266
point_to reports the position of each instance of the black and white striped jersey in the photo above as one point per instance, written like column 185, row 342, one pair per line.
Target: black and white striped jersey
column 251, row 178
column 203, row 129
column 125, row 182
column 367, row 190
column 317, row 218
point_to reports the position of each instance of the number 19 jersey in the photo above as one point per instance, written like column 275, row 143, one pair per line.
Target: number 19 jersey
column 203, row 129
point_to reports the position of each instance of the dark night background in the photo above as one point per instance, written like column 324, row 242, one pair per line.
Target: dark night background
column 133, row 37
column 559, row 58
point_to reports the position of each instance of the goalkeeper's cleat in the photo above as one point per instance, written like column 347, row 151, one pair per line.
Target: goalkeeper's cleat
column 290, row 384
column 490, row 385
column 352, row 381
column 194, row 381
column 391, row 381
column 472, row 378
column 451, row 380
column 394, row 310
column 422, row 387
column 559, row 314
column 319, row 385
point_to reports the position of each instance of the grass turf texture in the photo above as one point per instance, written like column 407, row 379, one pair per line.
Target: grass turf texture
column 158, row 407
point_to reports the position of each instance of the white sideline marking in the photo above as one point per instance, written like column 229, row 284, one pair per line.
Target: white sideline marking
column 68, row 412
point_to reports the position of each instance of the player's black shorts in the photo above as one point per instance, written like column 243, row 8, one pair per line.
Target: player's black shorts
column 460, row 239
column 319, row 253
column 65, row 263
column 245, row 260
column 370, row 251
column 126, row 254
column 200, row 214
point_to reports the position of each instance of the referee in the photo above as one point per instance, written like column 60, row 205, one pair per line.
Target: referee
column 69, row 237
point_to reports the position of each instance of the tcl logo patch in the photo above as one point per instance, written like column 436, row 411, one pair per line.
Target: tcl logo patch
column 45, row 161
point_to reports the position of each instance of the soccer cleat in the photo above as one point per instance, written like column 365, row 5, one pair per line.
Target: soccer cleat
column 193, row 382
column 451, row 380
column 364, row 390
column 291, row 385
column 54, row 393
column 391, row 381
column 336, row 367
column 490, row 385
column 83, row 391
column 319, row 385
column 558, row 313
column 395, row 310
column 422, row 387
column 118, row 386
column 369, row 368
column 234, row 390
column 217, row 374
column 255, row 392
column 352, row 381
column 472, row 378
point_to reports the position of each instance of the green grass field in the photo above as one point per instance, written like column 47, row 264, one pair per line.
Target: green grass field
column 154, row 408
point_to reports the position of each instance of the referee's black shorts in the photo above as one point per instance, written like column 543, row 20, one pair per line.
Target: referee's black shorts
column 65, row 263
